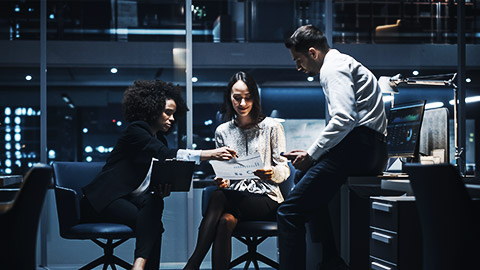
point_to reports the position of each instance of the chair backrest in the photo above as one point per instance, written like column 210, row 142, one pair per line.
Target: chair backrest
column 19, row 225
column 70, row 178
column 285, row 188
column 447, row 215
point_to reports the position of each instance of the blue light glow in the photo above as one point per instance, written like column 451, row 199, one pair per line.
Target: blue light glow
column 17, row 137
column 8, row 137
column 8, row 171
column 85, row 130
column 89, row 159
column 52, row 154
column 88, row 149
column 7, row 111
column 18, row 163
column 7, row 120
column 18, row 120
column 8, row 146
column 18, row 146
column 8, row 163
column 18, row 129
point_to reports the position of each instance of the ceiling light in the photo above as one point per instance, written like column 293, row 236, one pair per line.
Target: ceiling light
column 310, row 79
column 468, row 80
column 113, row 70
column 433, row 105
column 28, row 77
column 468, row 100
column 194, row 79
column 415, row 72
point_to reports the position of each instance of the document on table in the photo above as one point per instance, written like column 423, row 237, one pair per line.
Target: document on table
column 237, row 168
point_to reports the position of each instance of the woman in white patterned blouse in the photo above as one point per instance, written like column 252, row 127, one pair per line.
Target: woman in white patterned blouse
column 248, row 132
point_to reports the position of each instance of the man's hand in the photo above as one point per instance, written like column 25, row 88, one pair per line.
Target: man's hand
column 301, row 160
column 221, row 183
column 264, row 174
column 222, row 153
column 164, row 190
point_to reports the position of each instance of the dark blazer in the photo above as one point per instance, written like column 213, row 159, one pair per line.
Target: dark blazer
column 127, row 165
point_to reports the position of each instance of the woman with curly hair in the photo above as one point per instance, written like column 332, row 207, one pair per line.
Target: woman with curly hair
column 121, row 192
column 249, row 132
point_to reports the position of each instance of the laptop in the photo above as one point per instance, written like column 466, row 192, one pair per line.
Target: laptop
column 404, row 123
column 178, row 173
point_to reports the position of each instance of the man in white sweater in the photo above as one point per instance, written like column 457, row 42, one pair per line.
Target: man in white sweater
column 352, row 143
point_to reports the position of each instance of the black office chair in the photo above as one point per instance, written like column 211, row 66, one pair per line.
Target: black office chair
column 253, row 233
column 448, row 217
column 70, row 177
column 19, row 220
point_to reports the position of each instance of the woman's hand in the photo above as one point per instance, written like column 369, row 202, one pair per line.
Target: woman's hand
column 222, row 153
column 164, row 190
column 264, row 174
column 221, row 183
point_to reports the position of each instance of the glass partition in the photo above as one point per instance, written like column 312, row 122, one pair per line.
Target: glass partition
column 19, row 119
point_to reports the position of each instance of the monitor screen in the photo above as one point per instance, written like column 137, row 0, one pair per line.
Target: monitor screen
column 404, row 122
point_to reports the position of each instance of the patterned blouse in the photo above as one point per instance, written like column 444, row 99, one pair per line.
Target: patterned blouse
column 266, row 139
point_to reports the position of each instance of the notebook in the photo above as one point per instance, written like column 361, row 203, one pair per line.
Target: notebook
column 178, row 173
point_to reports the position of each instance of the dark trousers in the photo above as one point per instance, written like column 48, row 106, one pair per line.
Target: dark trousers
column 143, row 214
column 362, row 152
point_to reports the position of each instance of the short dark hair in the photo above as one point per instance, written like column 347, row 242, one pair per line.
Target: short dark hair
column 145, row 100
column 307, row 36
column 227, row 108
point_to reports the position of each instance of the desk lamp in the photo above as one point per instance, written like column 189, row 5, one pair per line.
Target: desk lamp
column 432, row 80
column 388, row 86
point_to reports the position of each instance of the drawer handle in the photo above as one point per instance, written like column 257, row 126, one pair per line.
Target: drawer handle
column 382, row 206
column 377, row 266
column 381, row 237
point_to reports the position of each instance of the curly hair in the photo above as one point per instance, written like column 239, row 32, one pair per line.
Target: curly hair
column 145, row 100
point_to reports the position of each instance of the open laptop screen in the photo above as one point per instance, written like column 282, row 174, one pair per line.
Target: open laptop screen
column 404, row 122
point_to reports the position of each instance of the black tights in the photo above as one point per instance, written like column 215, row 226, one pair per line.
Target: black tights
column 218, row 224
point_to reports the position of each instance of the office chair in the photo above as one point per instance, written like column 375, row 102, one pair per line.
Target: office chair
column 448, row 217
column 253, row 233
column 70, row 177
column 19, row 220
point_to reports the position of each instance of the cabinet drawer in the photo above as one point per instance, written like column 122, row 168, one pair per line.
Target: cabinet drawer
column 384, row 214
column 376, row 264
column 383, row 245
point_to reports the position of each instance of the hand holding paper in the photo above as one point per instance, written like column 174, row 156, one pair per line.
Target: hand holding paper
column 238, row 168
column 264, row 174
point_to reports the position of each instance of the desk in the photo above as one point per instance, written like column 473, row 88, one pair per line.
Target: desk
column 404, row 186
column 9, row 180
column 8, row 187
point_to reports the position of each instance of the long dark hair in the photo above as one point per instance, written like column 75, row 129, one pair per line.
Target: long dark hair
column 227, row 107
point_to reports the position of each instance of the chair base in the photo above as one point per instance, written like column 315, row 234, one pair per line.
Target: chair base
column 252, row 256
column 108, row 259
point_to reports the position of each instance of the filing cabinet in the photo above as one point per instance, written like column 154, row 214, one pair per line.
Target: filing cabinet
column 395, row 234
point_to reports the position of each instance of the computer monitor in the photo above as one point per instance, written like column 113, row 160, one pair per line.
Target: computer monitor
column 404, row 122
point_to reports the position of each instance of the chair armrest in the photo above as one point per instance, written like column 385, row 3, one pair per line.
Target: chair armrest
column 68, row 208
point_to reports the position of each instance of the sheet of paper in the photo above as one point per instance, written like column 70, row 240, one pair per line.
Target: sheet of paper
column 237, row 168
